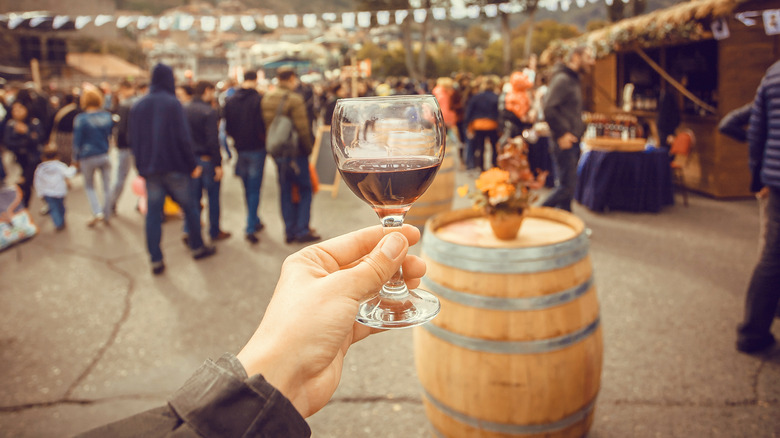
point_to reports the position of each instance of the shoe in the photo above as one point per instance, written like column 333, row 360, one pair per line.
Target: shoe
column 158, row 267
column 259, row 227
column 221, row 236
column 45, row 210
column 251, row 238
column 311, row 236
column 289, row 239
column 185, row 239
column 755, row 346
column 203, row 252
column 95, row 220
column 60, row 228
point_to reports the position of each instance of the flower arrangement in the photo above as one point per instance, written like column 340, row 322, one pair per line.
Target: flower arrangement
column 509, row 187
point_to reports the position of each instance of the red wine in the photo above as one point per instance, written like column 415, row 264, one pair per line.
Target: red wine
column 389, row 182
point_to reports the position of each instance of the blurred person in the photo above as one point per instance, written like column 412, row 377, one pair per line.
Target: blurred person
column 125, row 98
column 443, row 91
column 62, row 128
column 563, row 112
column 482, row 123
column 291, row 366
column 763, row 294
column 91, row 132
column 162, row 147
column 293, row 170
column 184, row 93
column 203, row 121
column 23, row 136
column 245, row 125
column 51, row 182
column 517, row 104
column 338, row 91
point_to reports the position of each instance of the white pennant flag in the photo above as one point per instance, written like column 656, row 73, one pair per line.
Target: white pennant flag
column 226, row 22
column 553, row 5
column 36, row 21
column 59, row 21
column 271, row 21
column 400, row 15
column 165, row 23
column 565, row 5
column 330, row 16
column 473, row 11
column 506, row 8
column 103, row 19
column 491, row 10
column 290, row 20
column 439, row 13
column 581, row 3
column 420, row 15
column 124, row 21
column 364, row 19
column 82, row 21
column 383, row 18
column 771, row 21
column 248, row 23
column 348, row 20
column 608, row 2
column 15, row 21
column 310, row 20
column 185, row 22
column 208, row 24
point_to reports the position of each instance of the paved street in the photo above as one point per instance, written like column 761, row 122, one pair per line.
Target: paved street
column 88, row 335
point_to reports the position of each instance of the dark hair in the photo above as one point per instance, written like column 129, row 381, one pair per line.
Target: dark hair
column 187, row 89
column 284, row 73
column 201, row 87
column 50, row 153
column 250, row 76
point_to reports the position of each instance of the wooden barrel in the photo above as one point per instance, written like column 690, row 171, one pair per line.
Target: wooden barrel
column 438, row 197
column 517, row 347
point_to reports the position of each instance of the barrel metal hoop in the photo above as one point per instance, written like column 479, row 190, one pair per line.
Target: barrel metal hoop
column 513, row 347
column 508, row 304
column 510, row 428
column 506, row 260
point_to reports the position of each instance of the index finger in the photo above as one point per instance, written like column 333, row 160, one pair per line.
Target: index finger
column 351, row 247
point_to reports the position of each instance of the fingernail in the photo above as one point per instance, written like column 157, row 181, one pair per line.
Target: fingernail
column 393, row 245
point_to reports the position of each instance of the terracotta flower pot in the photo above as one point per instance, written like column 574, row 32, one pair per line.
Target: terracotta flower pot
column 506, row 225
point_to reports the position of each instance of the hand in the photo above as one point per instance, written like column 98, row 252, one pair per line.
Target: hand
column 310, row 323
column 21, row 128
column 196, row 172
column 763, row 193
column 218, row 174
column 566, row 141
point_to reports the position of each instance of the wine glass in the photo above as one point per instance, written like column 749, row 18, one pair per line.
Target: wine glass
column 388, row 150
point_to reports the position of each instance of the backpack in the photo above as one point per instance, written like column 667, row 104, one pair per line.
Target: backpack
column 282, row 139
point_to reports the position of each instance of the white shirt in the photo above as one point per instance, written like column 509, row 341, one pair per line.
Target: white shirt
column 49, row 179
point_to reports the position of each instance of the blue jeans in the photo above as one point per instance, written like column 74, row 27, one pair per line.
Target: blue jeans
column 295, row 171
column 88, row 167
column 206, row 182
column 56, row 210
column 763, row 294
column 565, row 170
column 475, row 149
column 124, row 161
column 249, row 167
column 179, row 187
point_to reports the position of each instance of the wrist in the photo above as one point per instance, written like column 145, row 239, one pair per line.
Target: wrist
column 275, row 368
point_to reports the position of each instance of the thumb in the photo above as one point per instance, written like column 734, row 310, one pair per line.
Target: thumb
column 376, row 268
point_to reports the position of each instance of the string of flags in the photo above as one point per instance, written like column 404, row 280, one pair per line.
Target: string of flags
column 249, row 22
column 206, row 23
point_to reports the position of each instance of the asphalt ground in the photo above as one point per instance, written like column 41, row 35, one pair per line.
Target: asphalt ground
column 88, row 335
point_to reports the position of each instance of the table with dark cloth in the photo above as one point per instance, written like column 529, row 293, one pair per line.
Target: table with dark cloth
column 628, row 181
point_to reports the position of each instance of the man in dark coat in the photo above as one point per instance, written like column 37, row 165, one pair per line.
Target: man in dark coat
column 763, row 294
column 162, row 147
column 563, row 112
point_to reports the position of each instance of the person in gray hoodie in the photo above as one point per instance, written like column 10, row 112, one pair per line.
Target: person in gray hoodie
column 162, row 147
column 563, row 111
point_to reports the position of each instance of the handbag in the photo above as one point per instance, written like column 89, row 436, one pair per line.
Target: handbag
column 19, row 229
column 281, row 140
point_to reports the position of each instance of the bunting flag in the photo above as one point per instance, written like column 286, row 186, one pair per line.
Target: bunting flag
column 180, row 21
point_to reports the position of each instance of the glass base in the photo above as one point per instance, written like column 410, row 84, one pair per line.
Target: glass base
column 416, row 307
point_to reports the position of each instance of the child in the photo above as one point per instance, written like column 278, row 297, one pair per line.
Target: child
column 51, row 184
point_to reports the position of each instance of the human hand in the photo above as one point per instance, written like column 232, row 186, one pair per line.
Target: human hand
column 310, row 324
column 566, row 141
column 21, row 128
column 196, row 172
column 763, row 193
column 218, row 173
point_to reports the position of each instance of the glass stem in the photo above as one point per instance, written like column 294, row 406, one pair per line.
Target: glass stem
column 395, row 287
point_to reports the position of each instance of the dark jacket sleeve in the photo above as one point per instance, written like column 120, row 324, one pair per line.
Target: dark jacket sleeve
column 734, row 124
column 557, row 96
column 757, row 135
column 217, row 401
column 184, row 139
column 212, row 137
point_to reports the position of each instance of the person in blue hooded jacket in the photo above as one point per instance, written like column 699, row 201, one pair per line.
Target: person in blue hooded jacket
column 162, row 146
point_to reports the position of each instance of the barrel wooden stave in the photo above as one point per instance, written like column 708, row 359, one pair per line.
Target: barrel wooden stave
column 438, row 197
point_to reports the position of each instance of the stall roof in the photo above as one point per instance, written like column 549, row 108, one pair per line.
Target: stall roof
column 688, row 21
column 97, row 65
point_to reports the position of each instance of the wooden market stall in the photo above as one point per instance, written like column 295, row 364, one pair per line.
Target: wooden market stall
column 675, row 50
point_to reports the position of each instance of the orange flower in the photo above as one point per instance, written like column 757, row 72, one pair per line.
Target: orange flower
column 463, row 190
column 500, row 193
column 491, row 178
